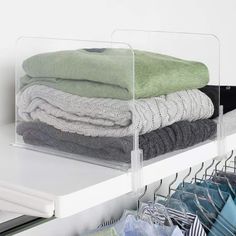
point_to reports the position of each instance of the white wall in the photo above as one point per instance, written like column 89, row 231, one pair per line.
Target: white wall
column 93, row 19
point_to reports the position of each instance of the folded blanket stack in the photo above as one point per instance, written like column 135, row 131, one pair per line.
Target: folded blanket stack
column 81, row 102
column 180, row 135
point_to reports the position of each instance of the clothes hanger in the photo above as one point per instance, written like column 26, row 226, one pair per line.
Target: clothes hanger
column 202, row 209
column 140, row 197
column 126, row 212
column 226, row 166
column 156, row 194
column 204, row 192
column 181, row 207
column 204, row 213
column 209, row 230
column 216, row 166
column 167, row 203
column 138, row 216
column 156, row 190
column 198, row 205
column 182, row 190
column 209, row 199
column 171, row 183
column 208, row 196
column 224, row 178
column 206, row 170
column 199, row 208
column 197, row 172
column 217, row 185
column 218, row 179
column 157, row 213
column 189, row 173
column 226, row 161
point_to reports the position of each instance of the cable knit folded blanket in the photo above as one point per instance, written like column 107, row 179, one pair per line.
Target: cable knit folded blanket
column 180, row 135
column 108, row 73
column 110, row 117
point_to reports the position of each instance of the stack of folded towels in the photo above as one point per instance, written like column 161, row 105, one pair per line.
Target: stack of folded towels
column 81, row 102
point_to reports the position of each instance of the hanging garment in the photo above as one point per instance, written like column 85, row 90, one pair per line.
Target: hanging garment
column 196, row 228
column 213, row 185
column 228, row 212
column 227, row 180
column 137, row 227
column 191, row 222
column 212, row 213
column 109, row 73
column 131, row 226
column 110, row 117
column 201, row 191
column 192, row 207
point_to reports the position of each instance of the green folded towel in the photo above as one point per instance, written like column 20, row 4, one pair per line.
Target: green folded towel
column 109, row 73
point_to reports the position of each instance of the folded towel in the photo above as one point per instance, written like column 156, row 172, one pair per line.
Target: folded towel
column 109, row 73
column 180, row 135
column 213, row 92
column 110, row 117
column 224, row 95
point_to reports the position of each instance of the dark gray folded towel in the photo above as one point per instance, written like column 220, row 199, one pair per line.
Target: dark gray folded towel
column 177, row 136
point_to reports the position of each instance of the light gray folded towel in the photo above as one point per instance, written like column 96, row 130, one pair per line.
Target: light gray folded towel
column 110, row 117
column 177, row 136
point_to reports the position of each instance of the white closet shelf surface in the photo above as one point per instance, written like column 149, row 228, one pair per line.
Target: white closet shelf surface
column 44, row 185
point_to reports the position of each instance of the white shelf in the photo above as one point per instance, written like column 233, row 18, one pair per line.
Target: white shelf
column 44, row 185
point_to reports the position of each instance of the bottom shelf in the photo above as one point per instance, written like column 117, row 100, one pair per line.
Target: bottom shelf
column 44, row 185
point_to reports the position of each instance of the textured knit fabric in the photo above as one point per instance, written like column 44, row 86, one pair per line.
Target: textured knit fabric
column 213, row 92
column 110, row 117
column 180, row 135
column 109, row 73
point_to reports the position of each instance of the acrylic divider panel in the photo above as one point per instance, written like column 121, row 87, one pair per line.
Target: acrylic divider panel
column 228, row 109
column 177, row 78
column 75, row 99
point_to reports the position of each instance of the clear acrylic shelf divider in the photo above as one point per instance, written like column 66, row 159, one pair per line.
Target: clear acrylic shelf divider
column 75, row 99
column 192, row 47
